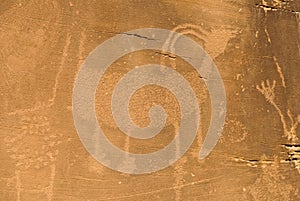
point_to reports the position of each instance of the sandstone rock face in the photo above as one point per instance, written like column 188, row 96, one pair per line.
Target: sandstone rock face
column 255, row 45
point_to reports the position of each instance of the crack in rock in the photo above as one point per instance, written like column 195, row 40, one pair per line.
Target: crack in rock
column 137, row 35
column 273, row 8
column 293, row 151
column 166, row 55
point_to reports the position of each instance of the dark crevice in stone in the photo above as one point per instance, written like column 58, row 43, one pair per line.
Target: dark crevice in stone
column 273, row 8
column 137, row 35
column 166, row 55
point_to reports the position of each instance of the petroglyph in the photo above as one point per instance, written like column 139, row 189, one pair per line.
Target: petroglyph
column 271, row 184
column 268, row 90
column 234, row 132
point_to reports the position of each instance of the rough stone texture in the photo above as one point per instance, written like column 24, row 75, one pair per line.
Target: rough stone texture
column 255, row 45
